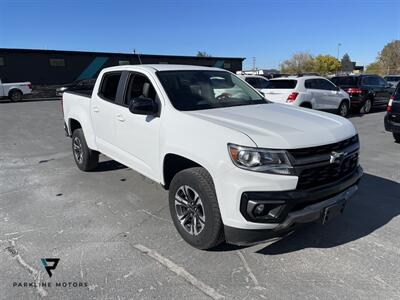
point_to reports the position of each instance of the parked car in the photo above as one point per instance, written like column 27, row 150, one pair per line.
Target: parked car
column 314, row 92
column 365, row 91
column 392, row 118
column 15, row 91
column 392, row 79
column 256, row 81
column 240, row 170
column 84, row 85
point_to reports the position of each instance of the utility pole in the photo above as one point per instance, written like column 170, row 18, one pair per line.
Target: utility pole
column 254, row 63
column 338, row 47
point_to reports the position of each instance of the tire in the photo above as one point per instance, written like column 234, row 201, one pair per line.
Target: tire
column 15, row 96
column 343, row 109
column 85, row 158
column 198, row 220
column 366, row 108
column 396, row 137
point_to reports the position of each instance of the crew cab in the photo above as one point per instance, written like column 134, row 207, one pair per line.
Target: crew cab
column 392, row 117
column 238, row 168
column 15, row 91
column 309, row 91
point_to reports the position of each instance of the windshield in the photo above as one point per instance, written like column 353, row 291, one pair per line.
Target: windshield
column 198, row 89
column 281, row 84
column 392, row 78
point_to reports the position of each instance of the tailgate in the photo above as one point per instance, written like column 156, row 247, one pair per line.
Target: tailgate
column 277, row 95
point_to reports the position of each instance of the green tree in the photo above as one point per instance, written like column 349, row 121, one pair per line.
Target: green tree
column 389, row 57
column 326, row 64
column 300, row 62
column 202, row 54
column 346, row 64
column 375, row 68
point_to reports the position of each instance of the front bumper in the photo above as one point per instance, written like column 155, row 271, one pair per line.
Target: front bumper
column 392, row 123
column 311, row 213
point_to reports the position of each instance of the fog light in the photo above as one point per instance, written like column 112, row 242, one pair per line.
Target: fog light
column 259, row 209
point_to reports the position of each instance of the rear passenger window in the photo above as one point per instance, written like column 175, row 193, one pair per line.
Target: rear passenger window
column 109, row 86
column 311, row 84
column 139, row 86
column 370, row 80
column 326, row 85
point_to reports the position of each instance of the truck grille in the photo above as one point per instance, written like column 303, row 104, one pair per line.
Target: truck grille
column 314, row 167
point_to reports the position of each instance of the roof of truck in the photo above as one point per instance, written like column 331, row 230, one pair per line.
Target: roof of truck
column 161, row 67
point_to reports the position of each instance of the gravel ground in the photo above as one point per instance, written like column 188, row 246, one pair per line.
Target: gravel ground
column 112, row 231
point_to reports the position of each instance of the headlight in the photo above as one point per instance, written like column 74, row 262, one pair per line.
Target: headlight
column 261, row 160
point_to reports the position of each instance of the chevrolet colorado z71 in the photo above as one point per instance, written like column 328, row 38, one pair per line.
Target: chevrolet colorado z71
column 238, row 168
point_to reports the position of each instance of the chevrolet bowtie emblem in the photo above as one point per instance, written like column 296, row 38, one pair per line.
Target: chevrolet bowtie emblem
column 336, row 157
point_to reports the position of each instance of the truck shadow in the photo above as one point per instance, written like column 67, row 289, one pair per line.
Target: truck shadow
column 109, row 165
column 376, row 204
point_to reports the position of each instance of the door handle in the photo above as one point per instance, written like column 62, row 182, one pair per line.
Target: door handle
column 120, row 118
column 95, row 109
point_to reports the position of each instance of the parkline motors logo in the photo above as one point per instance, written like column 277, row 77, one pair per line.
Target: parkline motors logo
column 50, row 264
column 49, row 268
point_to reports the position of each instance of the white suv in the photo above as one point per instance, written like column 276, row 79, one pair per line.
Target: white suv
column 256, row 81
column 308, row 91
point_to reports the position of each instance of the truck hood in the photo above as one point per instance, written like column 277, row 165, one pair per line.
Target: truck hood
column 279, row 126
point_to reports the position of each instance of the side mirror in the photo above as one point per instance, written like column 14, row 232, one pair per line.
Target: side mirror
column 143, row 106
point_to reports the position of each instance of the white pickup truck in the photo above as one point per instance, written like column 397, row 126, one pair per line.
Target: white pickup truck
column 238, row 168
column 15, row 91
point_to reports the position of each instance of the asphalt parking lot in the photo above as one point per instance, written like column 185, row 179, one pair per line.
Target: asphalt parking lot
column 112, row 231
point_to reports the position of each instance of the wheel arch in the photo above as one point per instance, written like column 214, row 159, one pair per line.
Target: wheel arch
column 174, row 163
column 14, row 89
column 73, row 124
column 306, row 104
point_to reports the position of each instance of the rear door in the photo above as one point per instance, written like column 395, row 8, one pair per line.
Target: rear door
column 103, row 107
column 395, row 111
column 319, row 95
column 332, row 96
column 372, row 84
column 278, row 90
column 138, row 135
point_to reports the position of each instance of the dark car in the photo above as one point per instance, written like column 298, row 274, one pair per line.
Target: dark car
column 365, row 91
column 392, row 118
column 84, row 85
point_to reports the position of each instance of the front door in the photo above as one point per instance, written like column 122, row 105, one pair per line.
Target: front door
column 138, row 135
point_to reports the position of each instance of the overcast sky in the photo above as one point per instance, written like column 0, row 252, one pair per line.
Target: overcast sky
column 269, row 30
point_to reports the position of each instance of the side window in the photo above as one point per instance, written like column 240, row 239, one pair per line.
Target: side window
column 252, row 81
column 139, row 86
column 326, row 85
column 109, row 86
column 382, row 82
column 374, row 80
column 370, row 80
column 263, row 83
column 310, row 84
